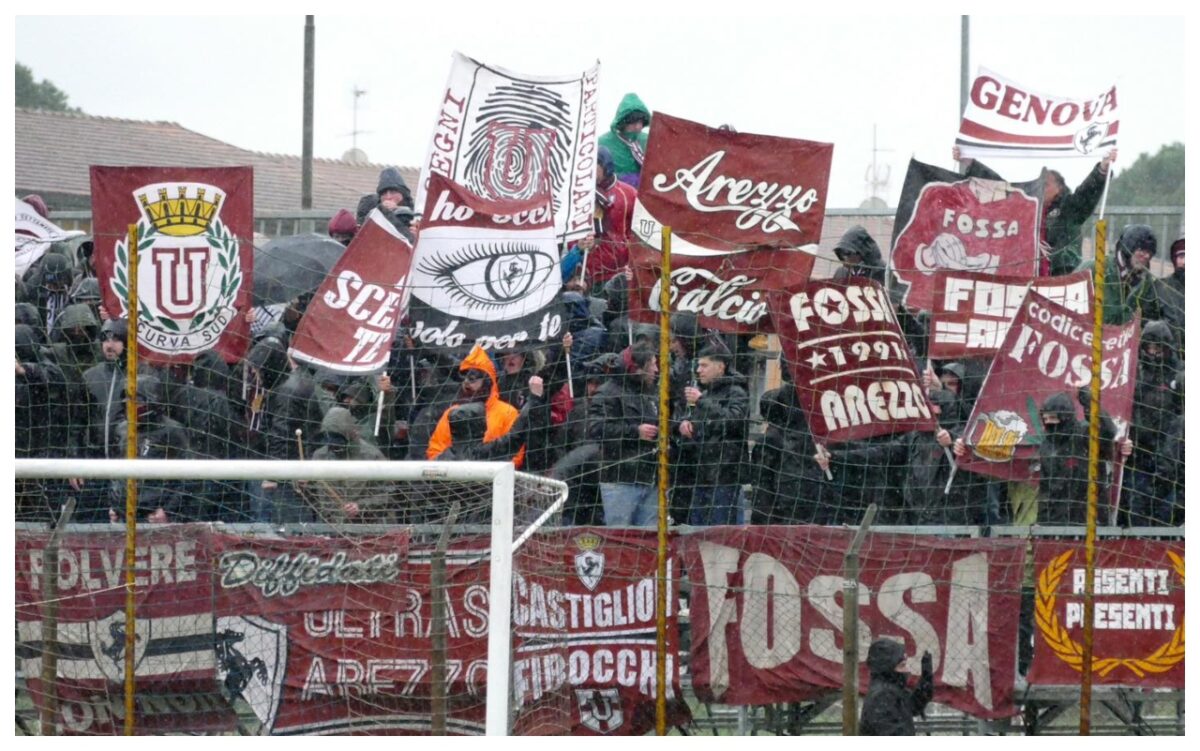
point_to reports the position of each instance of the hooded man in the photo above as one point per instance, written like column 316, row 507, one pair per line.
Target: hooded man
column 479, row 384
column 40, row 421
column 158, row 437
column 1063, row 459
column 623, row 419
column 1128, row 284
column 860, row 256
column 50, row 282
column 1156, row 403
column 105, row 386
column 716, row 421
column 393, row 197
column 342, row 226
column 1171, row 294
column 343, row 501
column 890, row 704
column 626, row 139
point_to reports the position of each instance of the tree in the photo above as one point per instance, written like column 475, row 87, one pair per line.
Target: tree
column 42, row 95
column 1151, row 180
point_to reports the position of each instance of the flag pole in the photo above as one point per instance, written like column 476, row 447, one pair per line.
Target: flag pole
column 131, row 487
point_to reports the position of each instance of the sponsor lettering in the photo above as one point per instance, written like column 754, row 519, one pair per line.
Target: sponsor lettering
column 285, row 574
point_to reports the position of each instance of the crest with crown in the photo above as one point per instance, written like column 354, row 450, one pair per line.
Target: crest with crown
column 588, row 541
column 180, row 210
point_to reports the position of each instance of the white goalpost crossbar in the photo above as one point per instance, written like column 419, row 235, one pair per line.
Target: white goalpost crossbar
column 502, row 475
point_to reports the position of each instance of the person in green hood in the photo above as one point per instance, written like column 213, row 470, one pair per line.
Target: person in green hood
column 626, row 138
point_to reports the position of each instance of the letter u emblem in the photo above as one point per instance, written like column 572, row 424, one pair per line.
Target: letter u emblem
column 179, row 289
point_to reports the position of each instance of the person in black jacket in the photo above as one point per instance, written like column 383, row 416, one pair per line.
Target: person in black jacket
column 716, row 423
column 158, row 437
column 623, row 419
column 890, row 704
column 860, row 256
column 1171, row 294
column 1155, row 405
column 1063, row 459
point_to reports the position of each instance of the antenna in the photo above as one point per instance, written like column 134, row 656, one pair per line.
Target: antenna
column 876, row 178
column 358, row 93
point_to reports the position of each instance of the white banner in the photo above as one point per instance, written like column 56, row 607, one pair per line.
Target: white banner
column 34, row 234
column 1007, row 119
column 505, row 135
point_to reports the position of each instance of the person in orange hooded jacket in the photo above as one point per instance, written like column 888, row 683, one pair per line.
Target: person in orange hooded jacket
column 476, row 367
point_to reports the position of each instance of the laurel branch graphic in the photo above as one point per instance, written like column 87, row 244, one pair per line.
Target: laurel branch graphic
column 1069, row 651
column 229, row 281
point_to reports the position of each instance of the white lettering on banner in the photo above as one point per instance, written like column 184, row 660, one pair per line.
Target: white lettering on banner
column 446, row 135
column 534, row 606
column 376, row 677
column 97, row 569
column 769, row 203
column 999, row 300
column 1123, row 581
column 286, row 573
column 541, row 674
column 834, row 306
column 1009, row 101
column 962, row 651
column 1053, row 359
column 1125, row 616
column 723, row 301
column 881, row 401
column 996, row 229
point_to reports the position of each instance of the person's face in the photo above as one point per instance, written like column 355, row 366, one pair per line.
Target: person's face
column 1052, row 189
column 1154, row 351
column 1179, row 259
column 513, row 362
column 390, row 199
column 709, row 370
column 851, row 259
column 343, row 237
column 113, row 347
column 1140, row 261
column 650, row 372
column 677, row 347
column 1049, row 418
column 633, row 128
column 473, row 381
column 950, row 383
column 600, row 174
column 936, row 409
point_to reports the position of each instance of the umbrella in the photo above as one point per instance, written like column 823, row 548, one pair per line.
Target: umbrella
column 289, row 267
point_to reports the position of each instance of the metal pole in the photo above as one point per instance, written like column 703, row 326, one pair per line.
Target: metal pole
column 664, row 430
column 50, row 646
column 964, row 74
column 131, row 490
column 306, row 154
column 437, row 626
column 1093, row 491
column 850, row 626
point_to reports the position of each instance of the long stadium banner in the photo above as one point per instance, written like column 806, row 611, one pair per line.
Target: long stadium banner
column 745, row 213
column 195, row 256
column 1138, row 614
column 1004, row 118
column 508, row 136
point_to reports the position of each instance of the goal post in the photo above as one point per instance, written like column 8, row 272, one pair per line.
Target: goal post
column 505, row 539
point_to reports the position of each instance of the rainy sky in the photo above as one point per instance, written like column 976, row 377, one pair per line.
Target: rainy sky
column 825, row 78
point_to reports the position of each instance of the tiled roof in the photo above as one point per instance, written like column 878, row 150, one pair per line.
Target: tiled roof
column 55, row 149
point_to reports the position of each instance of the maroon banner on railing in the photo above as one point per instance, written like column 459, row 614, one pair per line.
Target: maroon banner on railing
column 852, row 368
column 1048, row 351
column 767, row 617
column 175, row 662
column 195, row 255
column 972, row 311
column 349, row 325
column 745, row 212
column 1138, row 637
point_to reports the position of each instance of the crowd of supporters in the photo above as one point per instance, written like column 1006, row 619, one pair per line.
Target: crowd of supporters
column 584, row 409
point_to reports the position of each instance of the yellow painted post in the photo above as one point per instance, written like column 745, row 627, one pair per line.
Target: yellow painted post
column 131, row 354
column 1093, row 492
column 664, row 436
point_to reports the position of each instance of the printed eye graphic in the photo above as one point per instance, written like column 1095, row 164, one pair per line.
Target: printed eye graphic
column 501, row 279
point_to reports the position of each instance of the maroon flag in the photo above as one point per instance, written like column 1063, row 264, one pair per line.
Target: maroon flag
column 972, row 311
column 195, row 255
column 949, row 222
column 1048, row 350
column 852, row 368
column 175, row 662
column 349, row 325
column 745, row 212
column 1138, row 614
column 766, row 613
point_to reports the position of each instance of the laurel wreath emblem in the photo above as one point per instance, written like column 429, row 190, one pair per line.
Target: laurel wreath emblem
column 1069, row 651
column 229, row 278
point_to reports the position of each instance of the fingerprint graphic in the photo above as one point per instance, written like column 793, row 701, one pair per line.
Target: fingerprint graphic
column 516, row 128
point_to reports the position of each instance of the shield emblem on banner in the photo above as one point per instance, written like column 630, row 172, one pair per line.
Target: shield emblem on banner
column 590, row 566
column 107, row 637
column 251, row 657
column 600, row 709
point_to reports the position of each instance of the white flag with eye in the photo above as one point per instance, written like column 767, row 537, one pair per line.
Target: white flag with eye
column 485, row 272
column 35, row 234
